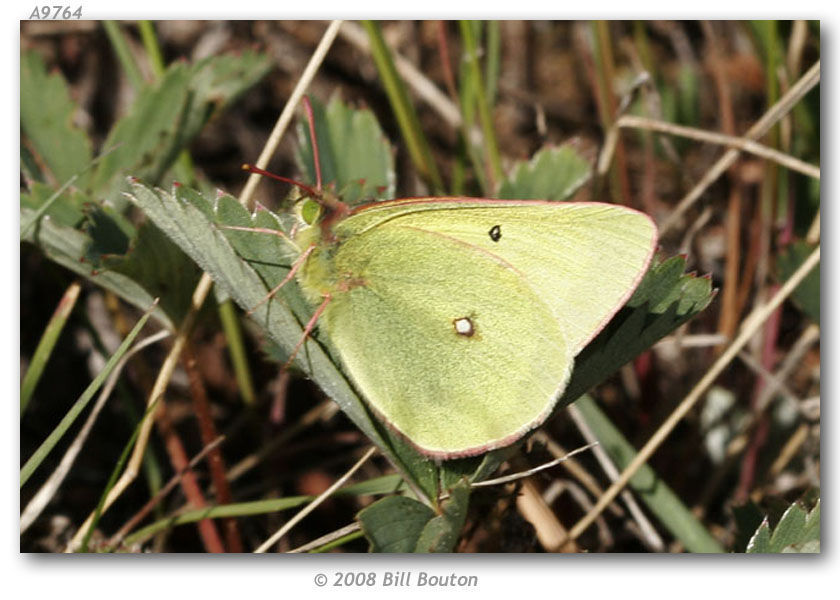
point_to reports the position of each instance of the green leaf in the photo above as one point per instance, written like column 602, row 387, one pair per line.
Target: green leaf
column 394, row 524
column 69, row 247
column 46, row 120
column 386, row 484
column 807, row 294
column 355, row 156
column 168, row 115
column 655, row 493
column 400, row 524
column 760, row 542
column 404, row 112
column 246, row 265
column 441, row 533
column 551, row 174
column 160, row 267
column 47, row 343
column 66, row 209
column 91, row 237
column 798, row 531
column 666, row 298
column 237, row 509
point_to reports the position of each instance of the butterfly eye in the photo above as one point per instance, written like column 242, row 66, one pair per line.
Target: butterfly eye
column 310, row 211
column 496, row 233
column 464, row 326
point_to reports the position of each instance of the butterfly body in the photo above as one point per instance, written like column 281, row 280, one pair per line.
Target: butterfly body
column 458, row 319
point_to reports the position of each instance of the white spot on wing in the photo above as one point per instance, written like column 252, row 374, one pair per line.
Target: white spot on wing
column 464, row 326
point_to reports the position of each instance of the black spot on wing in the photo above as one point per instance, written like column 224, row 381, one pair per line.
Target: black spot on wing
column 495, row 233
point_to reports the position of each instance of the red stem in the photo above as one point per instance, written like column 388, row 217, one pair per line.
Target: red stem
column 316, row 158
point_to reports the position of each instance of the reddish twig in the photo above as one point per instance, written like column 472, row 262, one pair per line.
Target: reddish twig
column 189, row 482
column 215, row 461
column 160, row 495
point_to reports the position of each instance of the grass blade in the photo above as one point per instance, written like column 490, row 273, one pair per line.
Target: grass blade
column 404, row 111
column 47, row 343
column 41, row 453
column 485, row 116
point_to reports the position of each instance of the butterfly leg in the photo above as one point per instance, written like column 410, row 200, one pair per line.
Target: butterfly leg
column 295, row 266
column 308, row 329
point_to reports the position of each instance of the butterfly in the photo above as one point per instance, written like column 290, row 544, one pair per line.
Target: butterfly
column 458, row 319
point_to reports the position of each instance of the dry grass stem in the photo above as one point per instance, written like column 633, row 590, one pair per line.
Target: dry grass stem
column 315, row 503
column 770, row 118
column 551, row 534
column 289, row 110
column 577, row 470
column 741, row 143
column 162, row 493
column 422, row 85
column 158, row 390
column 646, row 528
column 529, row 472
column 326, row 539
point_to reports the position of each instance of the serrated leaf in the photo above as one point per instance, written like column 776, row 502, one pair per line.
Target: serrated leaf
column 46, row 120
column 441, row 533
column 760, row 541
column 665, row 299
column 807, row 294
column 183, row 216
column 796, row 531
column 394, row 524
column 160, row 267
column 811, row 547
column 92, row 238
column 355, row 156
column 552, row 174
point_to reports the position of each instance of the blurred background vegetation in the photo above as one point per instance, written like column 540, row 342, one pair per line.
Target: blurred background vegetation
column 748, row 450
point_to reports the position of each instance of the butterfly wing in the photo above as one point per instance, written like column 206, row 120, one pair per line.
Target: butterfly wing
column 583, row 259
column 451, row 347
column 458, row 320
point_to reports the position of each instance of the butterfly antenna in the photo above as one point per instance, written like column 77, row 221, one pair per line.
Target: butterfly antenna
column 316, row 158
column 295, row 267
column 308, row 329
column 315, row 193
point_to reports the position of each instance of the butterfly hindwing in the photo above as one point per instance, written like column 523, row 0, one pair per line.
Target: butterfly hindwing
column 451, row 347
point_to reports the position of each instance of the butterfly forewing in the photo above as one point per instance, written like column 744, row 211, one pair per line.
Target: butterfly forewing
column 583, row 259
